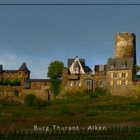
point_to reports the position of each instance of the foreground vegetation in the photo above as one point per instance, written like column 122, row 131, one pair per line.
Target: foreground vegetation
column 81, row 109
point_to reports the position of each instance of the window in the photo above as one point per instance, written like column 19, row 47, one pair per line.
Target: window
column 114, row 82
column 77, row 70
column 124, row 65
column 88, row 83
column 123, row 74
column 112, row 66
column 123, row 82
column 71, row 84
column 79, row 84
column 115, row 74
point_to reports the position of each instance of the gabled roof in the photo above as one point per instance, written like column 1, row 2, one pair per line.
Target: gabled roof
column 82, row 62
column 23, row 67
column 120, row 63
column 87, row 69
column 70, row 61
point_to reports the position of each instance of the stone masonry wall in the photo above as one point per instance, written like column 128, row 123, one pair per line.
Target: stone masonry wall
column 124, row 45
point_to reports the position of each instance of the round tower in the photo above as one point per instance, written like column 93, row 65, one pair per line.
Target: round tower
column 125, row 45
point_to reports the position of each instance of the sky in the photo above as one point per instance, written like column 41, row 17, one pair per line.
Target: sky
column 40, row 34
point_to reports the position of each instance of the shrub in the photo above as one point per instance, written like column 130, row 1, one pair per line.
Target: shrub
column 32, row 101
column 6, row 82
column 39, row 103
column 55, row 87
column 15, row 82
column 92, row 95
column 98, row 92
column 29, row 100
column 16, row 92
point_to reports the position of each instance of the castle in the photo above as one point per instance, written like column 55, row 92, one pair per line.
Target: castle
column 117, row 76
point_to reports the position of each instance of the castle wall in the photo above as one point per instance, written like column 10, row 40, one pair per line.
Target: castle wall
column 76, row 83
column 40, row 85
column 100, row 79
column 120, row 82
column 9, row 90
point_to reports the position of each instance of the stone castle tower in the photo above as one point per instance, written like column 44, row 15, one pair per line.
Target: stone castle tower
column 125, row 45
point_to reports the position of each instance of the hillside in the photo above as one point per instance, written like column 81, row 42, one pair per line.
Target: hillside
column 79, row 109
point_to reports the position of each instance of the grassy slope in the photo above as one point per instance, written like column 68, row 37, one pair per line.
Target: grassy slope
column 80, row 109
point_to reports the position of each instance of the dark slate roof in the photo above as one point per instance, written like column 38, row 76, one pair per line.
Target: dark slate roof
column 120, row 63
column 23, row 67
column 82, row 61
column 39, row 80
column 70, row 61
column 88, row 69
column 100, row 68
column 10, row 71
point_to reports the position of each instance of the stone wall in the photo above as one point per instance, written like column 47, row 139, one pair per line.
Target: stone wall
column 76, row 83
column 100, row 79
column 119, row 88
column 9, row 90
column 39, row 85
column 125, row 45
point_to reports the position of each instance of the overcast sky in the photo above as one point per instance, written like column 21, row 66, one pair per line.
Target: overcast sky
column 39, row 34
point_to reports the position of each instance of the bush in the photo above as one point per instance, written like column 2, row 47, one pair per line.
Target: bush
column 33, row 101
column 29, row 100
column 55, row 87
column 6, row 82
column 16, row 92
column 16, row 82
column 98, row 92
column 39, row 103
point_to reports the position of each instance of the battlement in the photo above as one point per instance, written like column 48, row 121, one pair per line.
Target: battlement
column 125, row 36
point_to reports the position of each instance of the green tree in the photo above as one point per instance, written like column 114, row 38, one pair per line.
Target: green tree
column 137, row 67
column 54, row 73
column 55, row 69
column 55, row 87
